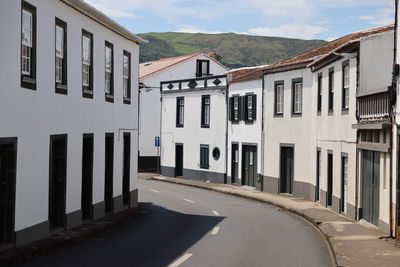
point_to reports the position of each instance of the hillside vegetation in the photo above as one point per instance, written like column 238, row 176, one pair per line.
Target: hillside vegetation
column 237, row 50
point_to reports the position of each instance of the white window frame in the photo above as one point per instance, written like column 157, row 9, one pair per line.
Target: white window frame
column 346, row 86
column 279, row 99
column 126, row 63
column 181, row 111
column 108, row 69
column 235, row 108
column 59, row 53
column 26, row 43
column 86, row 60
column 298, row 92
column 250, row 107
column 207, row 111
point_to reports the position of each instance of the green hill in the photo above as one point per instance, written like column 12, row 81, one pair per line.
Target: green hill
column 237, row 50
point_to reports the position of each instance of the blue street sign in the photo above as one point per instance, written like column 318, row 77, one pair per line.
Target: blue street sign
column 157, row 141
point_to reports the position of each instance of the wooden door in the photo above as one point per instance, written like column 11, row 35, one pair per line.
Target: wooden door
column 109, row 169
column 87, row 177
column 235, row 163
column 8, row 156
column 287, row 170
column 370, row 186
column 127, row 170
column 330, row 179
column 178, row 160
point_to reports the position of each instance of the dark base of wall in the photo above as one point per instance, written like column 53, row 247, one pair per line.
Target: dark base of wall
column 336, row 203
column 168, row 171
column 323, row 198
column 118, row 204
column 134, row 198
column 99, row 210
column 73, row 219
column 214, row 177
column 351, row 211
column 147, row 164
column 33, row 233
column 270, row 185
column 305, row 190
column 384, row 227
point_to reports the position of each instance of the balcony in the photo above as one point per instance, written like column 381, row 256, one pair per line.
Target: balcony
column 375, row 106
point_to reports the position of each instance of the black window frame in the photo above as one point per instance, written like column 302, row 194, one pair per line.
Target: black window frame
column 345, row 64
column 127, row 100
column 109, row 97
column 232, row 109
column 331, row 88
column 199, row 64
column 247, row 118
column 29, row 81
column 276, row 84
column 319, row 93
column 61, row 88
column 178, row 105
column 206, row 150
column 87, row 91
column 294, row 82
column 203, row 105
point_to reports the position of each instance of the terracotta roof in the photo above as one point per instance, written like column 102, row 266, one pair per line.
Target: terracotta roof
column 310, row 55
column 246, row 74
column 147, row 69
column 150, row 68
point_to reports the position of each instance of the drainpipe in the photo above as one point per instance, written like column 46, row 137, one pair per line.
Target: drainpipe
column 262, row 131
column 358, row 176
column 393, row 124
column 226, row 131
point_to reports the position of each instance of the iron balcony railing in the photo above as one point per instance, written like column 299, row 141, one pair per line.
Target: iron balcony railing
column 374, row 106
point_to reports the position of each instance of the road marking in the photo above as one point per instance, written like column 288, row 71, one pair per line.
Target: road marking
column 155, row 191
column 188, row 200
column 181, row 260
column 215, row 231
column 215, row 213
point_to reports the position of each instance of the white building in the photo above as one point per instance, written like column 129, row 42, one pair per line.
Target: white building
column 151, row 74
column 194, row 128
column 244, row 165
column 69, row 124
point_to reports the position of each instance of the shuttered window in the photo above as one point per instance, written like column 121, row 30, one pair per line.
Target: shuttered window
column 331, row 86
column 61, row 57
column 204, row 156
column 297, row 95
column 109, row 72
column 87, row 64
column 28, row 46
column 279, row 98
column 127, row 77
column 250, row 102
column 346, row 86
column 180, row 106
column 205, row 111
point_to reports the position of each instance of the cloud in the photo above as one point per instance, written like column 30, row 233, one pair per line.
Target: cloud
column 194, row 29
column 290, row 30
column 382, row 17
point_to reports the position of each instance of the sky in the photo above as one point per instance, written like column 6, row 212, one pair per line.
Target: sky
column 305, row 19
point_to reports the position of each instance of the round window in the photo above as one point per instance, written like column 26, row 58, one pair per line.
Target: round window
column 216, row 153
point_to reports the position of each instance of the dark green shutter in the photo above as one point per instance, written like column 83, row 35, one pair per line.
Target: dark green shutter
column 254, row 107
column 231, row 110
column 246, row 108
column 241, row 108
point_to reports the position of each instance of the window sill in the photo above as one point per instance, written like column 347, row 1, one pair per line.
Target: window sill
column 345, row 111
column 127, row 101
column 330, row 112
column 179, row 126
column 205, row 167
column 61, row 89
column 296, row 115
column 28, row 82
column 248, row 122
column 86, row 93
column 109, row 98
column 235, row 122
column 278, row 115
column 205, row 126
column 319, row 113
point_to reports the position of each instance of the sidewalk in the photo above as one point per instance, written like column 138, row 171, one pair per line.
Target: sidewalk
column 353, row 243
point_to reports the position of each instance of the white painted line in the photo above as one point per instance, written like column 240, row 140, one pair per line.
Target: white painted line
column 188, row 200
column 155, row 191
column 181, row 260
column 215, row 231
column 215, row 213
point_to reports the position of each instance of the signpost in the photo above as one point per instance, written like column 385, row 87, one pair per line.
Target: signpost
column 157, row 144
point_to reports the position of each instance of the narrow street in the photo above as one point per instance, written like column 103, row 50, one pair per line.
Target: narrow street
column 184, row 226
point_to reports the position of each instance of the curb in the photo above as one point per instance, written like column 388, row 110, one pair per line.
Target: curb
column 294, row 211
column 48, row 245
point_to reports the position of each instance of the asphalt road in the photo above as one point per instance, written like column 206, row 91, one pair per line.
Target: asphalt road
column 186, row 226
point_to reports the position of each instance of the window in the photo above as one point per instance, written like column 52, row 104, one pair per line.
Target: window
column 235, row 106
column 279, row 98
column 61, row 57
column 346, row 85
column 202, row 68
column 331, row 85
column 87, row 64
column 343, row 205
column 205, row 111
column 109, row 72
column 180, row 107
column 204, row 163
column 297, row 88
column 28, row 46
column 216, row 153
column 250, row 108
column 319, row 104
column 127, row 77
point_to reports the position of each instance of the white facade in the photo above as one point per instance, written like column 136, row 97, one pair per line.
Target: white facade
column 192, row 135
column 242, row 133
column 32, row 116
column 149, row 114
